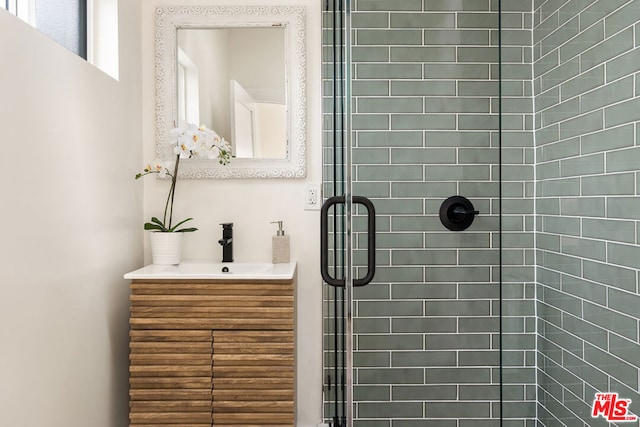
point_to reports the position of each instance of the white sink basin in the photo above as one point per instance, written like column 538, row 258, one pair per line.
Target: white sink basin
column 211, row 270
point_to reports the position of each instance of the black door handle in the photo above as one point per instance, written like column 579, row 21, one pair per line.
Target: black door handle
column 324, row 241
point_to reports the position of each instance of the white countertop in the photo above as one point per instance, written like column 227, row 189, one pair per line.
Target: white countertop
column 213, row 270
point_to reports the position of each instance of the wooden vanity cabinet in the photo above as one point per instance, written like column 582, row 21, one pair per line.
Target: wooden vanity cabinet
column 212, row 352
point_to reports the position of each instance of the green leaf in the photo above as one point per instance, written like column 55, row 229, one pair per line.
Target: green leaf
column 157, row 221
column 172, row 229
column 150, row 226
column 186, row 230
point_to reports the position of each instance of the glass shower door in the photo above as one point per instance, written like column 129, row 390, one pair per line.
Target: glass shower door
column 411, row 119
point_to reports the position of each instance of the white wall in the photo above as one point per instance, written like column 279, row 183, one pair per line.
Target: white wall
column 252, row 204
column 71, row 214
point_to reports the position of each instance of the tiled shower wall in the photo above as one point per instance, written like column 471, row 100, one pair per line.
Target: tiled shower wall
column 587, row 87
column 425, row 99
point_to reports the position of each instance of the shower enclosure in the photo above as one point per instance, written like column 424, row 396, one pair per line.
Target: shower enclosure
column 529, row 110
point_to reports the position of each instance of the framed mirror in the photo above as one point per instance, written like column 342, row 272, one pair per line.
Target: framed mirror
column 239, row 70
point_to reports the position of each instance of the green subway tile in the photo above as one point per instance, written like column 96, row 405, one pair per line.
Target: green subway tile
column 625, row 349
column 583, row 83
column 389, row 410
column 389, row 342
column 517, row 139
column 423, row 88
column 478, row 122
column 512, row 71
column 477, row 20
column 611, row 320
column 461, row 173
column 457, row 139
column 369, row 20
column 478, row 155
column 399, row 274
column 624, row 372
column 389, row 105
column 423, row 423
column 584, row 165
column 425, row 392
column 423, row 121
column 607, row 95
column 619, row 231
column 423, row 189
column 549, row 242
column 611, row 275
column 384, row 5
column 455, row 5
column 624, row 302
column 561, row 187
column 370, row 54
column 515, row 37
column 423, row 54
column 581, row 125
column 458, row 37
column 398, row 206
column 475, row 189
column 371, row 189
column 453, row 342
column 479, row 324
column 371, row 359
column 417, row 223
column 625, row 112
column 389, row 173
column 548, row 206
column 386, row 37
column 423, row 291
column 423, row 155
column 625, row 255
column 391, row 376
column 370, row 325
column 396, row 240
column 618, row 184
column 610, row 48
column 547, row 135
column 583, row 42
column 560, row 112
column 479, row 392
column 562, row 263
column 456, row 105
column 607, row 140
column 423, row 20
column 458, row 274
column 423, row 257
column 544, row 28
column 370, row 88
column 560, row 74
column 582, row 206
column 390, row 139
column 564, row 33
column 624, row 17
column 623, row 65
column 370, row 155
column 623, row 207
column 597, row 11
column 422, row 325
column 456, row 71
column 586, row 290
column 584, row 248
column 478, row 88
column 514, row 105
column 423, row 358
column 548, row 170
column 562, row 225
column 458, row 240
column 388, row 71
column 371, row 393
column 370, row 121
column 458, row 409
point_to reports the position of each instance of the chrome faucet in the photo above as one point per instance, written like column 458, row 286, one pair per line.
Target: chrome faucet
column 227, row 242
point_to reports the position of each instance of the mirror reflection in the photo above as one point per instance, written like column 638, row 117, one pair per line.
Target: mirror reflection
column 233, row 80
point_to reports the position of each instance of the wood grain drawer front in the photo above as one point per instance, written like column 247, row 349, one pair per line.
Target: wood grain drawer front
column 206, row 353
column 253, row 377
column 170, row 378
column 212, row 305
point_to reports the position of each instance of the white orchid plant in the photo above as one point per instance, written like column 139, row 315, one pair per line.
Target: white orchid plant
column 188, row 142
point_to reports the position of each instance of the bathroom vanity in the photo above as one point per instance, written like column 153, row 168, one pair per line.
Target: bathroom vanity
column 212, row 348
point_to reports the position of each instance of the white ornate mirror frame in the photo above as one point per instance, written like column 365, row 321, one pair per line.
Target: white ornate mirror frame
column 169, row 19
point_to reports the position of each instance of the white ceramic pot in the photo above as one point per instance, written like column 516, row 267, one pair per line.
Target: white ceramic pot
column 166, row 248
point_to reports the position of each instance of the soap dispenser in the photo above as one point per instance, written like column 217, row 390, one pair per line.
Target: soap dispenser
column 280, row 245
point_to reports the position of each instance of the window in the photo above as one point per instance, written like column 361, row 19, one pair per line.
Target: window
column 65, row 21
